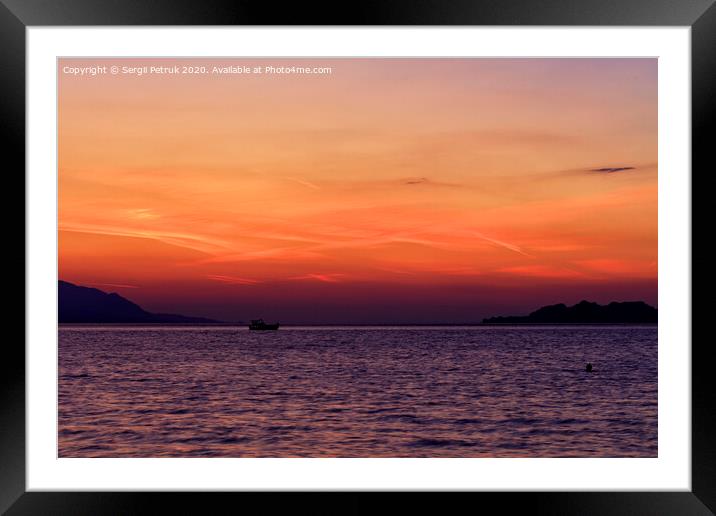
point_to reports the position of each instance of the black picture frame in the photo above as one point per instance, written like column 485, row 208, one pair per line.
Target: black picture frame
column 17, row 15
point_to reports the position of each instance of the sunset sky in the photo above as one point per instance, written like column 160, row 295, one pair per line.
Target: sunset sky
column 389, row 191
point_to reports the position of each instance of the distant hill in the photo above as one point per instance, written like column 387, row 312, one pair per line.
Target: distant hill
column 78, row 304
column 584, row 312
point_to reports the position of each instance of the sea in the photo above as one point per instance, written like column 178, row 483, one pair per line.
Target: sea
column 414, row 391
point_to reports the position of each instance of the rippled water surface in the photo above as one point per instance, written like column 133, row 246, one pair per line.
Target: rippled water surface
column 358, row 392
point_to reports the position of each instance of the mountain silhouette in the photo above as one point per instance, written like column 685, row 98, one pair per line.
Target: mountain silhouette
column 584, row 312
column 78, row 304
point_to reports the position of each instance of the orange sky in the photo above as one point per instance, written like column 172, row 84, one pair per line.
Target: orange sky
column 391, row 190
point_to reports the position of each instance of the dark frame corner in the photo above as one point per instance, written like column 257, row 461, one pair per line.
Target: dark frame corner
column 17, row 15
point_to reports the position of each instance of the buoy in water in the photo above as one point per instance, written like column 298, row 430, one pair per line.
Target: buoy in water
column 589, row 368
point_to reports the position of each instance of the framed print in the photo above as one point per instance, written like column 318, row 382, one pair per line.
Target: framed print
column 416, row 249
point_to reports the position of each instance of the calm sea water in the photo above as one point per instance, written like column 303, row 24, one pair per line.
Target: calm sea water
column 358, row 392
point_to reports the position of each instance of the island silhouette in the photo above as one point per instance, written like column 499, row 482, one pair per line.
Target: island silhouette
column 585, row 312
column 77, row 304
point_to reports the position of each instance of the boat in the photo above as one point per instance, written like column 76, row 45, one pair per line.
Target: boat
column 259, row 324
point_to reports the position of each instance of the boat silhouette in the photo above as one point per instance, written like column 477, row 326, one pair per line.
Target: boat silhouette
column 259, row 324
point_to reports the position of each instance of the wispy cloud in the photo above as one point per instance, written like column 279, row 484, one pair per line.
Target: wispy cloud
column 193, row 241
column 618, row 267
column 425, row 181
column 540, row 271
column 326, row 278
column 303, row 182
column 415, row 180
column 274, row 254
column 500, row 243
column 609, row 170
column 232, row 280
column 113, row 285
column 142, row 214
